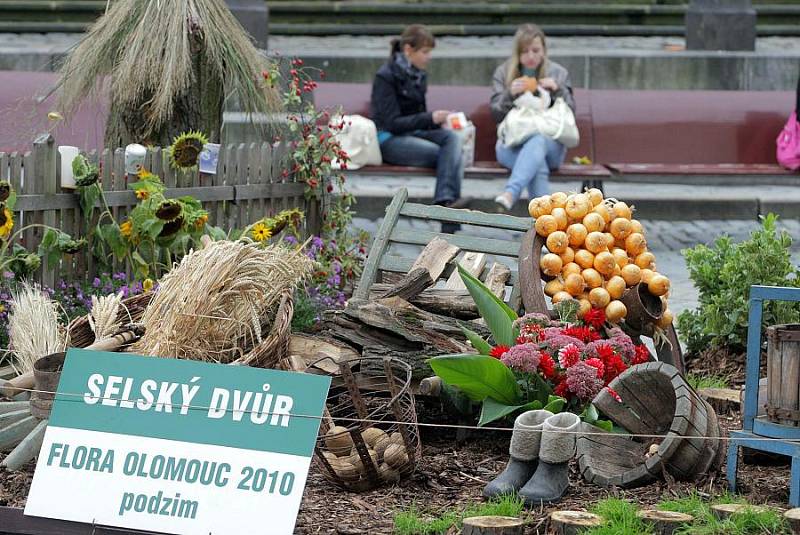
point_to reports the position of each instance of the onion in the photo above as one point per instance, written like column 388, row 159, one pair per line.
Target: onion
column 632, row 274
column 594, row 222
column 557, row 242
column 616, row 287
column 596, row 242
column 647, row 275
column 609, row 239
column 592, row 277
column 635, row 244
column 658, row 285
column 621, row 257
column 620, row 228
column 595, row 196
column 645, row 260
column 617, row 270
column 604, row 211
column 558, row 199
column 599, row 297
column 574, row 284
column 604, row 263
column 570, row 268
column 540, row 206
column 615, row 311
column 545, row 225
column 578, row 205
column 561, row 296
column 553, row 287
column 637, row 227
column 584, row 258
column 551, row 264
column 577, row 234
column 585, row 306
column 622, row 210
column 561, row 218
column 665, row 320
column 568, row 255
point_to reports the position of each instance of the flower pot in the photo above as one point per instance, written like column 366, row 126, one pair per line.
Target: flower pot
column 46, row 374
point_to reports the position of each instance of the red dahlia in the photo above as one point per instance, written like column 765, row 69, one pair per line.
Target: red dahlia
column 595, row 318
column 498, row 351
column 642, row 355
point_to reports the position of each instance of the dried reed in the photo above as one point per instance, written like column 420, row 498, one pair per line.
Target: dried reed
column 215, row 305
column 103, row 316
column 33, row 326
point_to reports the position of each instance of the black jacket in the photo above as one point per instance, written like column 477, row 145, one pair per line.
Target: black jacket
column 398, row 103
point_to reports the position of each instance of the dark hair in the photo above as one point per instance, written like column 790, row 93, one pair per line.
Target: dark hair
column 416, row 35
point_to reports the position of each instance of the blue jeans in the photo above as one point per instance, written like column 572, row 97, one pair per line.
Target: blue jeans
column 440, row 149
column 530, row 164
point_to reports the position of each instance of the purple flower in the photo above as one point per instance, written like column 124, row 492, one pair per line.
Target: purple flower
column 291, row 240
column 582, row 380
column 97, row 282
column 317, row 242
column 8, row 274
column 522, row 358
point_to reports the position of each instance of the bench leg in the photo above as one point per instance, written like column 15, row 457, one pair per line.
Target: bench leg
column 733, row 459
column 794, row 483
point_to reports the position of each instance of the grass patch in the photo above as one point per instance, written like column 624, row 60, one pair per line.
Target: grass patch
column 412, row 521
column 706, row 381
column 620, row 517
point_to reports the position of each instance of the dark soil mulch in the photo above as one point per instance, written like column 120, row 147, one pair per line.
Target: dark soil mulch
column 723, row 362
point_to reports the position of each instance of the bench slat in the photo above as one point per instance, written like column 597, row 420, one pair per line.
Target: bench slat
column 401, row 264
column 467, row 243
column 471, row 217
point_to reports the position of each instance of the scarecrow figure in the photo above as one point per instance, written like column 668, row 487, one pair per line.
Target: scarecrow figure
column 167, row 67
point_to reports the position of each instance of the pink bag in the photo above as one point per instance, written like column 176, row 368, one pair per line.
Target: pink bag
column 788, row 144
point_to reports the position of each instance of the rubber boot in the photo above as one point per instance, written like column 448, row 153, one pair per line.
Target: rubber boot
column 524, row 451
column 551, row 479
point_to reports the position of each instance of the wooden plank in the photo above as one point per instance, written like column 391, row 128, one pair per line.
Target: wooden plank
column 435, row 257
column 66, row 218
column 254, row 177
column 467, row 243
column 14, row 521
column 4, row 170
column 411, row 285
column 32, row 183
column 241, row 180
column 216, row 212
column 379, row 245
column 472, row 217
column 496, row 279
column 400, row 264
column 247, row 192
column 44, row 150
column 473, row 263
column 120, row 186
column 530, row 281
column 790, row 379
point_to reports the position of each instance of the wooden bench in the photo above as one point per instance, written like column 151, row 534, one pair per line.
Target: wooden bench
column 680, row 137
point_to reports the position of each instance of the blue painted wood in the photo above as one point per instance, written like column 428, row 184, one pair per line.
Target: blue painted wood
column 755, row 430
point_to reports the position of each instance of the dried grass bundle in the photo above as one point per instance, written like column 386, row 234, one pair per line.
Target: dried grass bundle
column 215, row 305
column 103, row 316
column 33, row 326
column 148, row 48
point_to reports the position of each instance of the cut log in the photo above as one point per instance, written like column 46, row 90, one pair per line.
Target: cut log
column 325, row 354
column 113, row 343
column 430, row 386
column 792, row 516
column 665, row 522
column 435, row 257
column 725, row 510
column 17, row 385
column 573, row 522
column 492, row 525
column 472, row 263
column 13, row 406
column 452, row 303
column 411, row 285
column 27, row 449
column 724, row 400
column 497, row 278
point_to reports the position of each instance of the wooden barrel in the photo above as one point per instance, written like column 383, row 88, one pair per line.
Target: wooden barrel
column 655, row 401
column 783, row 374
column 46, row 373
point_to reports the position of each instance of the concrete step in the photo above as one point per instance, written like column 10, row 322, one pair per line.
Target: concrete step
column 652, row 201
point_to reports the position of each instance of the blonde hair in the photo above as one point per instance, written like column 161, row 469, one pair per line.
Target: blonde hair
column 522, row 39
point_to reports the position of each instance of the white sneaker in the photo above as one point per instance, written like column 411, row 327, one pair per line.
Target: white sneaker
column 504, row 200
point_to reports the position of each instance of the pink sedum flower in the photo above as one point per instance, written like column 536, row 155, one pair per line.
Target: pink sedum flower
column 522, row 358
column 582, row 380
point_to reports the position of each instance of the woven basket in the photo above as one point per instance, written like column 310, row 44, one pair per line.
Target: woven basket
column 266, row 354
column 357, row 455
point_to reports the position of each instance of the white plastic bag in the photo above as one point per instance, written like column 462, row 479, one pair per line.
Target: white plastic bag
column 527, row 119
column 359, row 139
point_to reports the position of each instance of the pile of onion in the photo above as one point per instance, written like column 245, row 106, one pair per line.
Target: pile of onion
column 595, row 251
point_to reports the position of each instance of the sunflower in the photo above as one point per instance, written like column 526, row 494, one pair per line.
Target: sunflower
column 171, row 228
column 168, row 210
column 5, row 190
column 261, row 232
column 126, row 228
column 144, row 174
column 142, row 194
column 200, row 221
column 147, row 285
column 7, row 220
column 186, row 148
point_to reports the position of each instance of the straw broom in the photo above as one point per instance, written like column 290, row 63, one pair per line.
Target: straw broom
column 215, row 305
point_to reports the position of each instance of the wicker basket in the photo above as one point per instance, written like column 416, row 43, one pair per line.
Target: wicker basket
column 368, row 454
column 266, row 354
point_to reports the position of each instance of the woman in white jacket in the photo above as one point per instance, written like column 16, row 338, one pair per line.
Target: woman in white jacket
column 531, row 162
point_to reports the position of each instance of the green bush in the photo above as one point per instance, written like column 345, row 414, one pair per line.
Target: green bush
column 723, row 274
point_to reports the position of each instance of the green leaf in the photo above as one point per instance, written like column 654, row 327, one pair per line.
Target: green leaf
column 498, row 316
column 492, row 410
column 590, row 414
column 481, row 345
column 152, row 227
column 605, row 425
column 543, row 390
column 87, row 197
column 555, row 404
column 12, row 200
column 478, row 376
column 113, row 237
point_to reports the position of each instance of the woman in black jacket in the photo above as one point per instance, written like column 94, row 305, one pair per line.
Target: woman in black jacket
column 407, row 132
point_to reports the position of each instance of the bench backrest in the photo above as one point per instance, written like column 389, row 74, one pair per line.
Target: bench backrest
column 621, row 126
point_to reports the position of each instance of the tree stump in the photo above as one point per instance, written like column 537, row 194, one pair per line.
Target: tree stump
column 792, row 516
column 573, row 522
column 492, row 525
column 665, row 522
column 725, row 510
